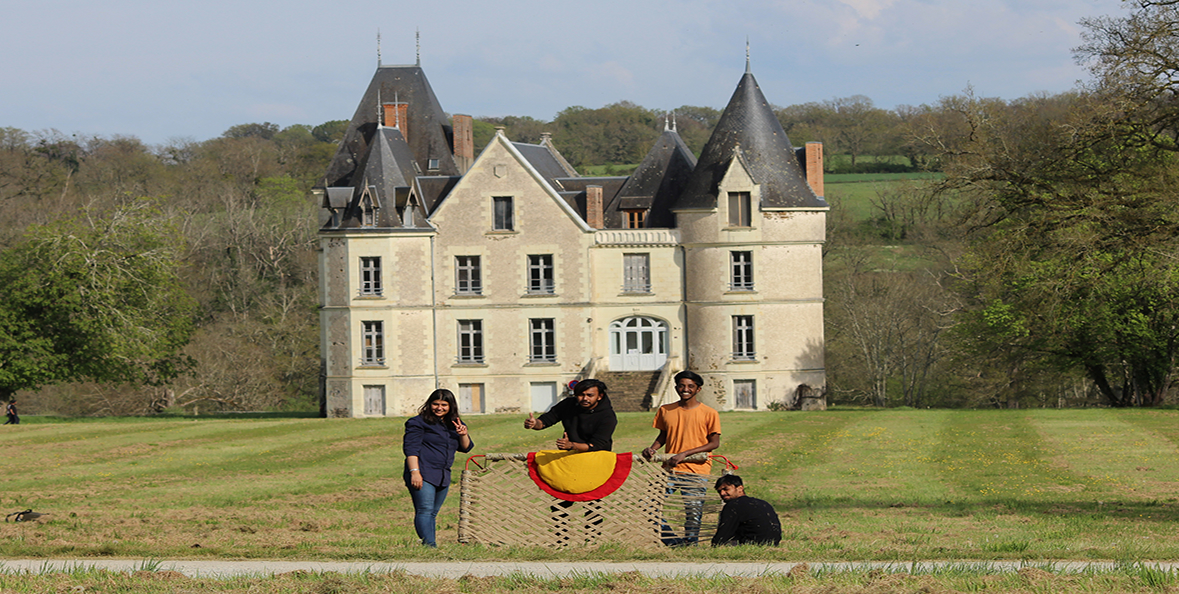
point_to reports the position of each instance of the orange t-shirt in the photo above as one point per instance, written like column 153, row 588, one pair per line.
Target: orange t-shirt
column 687, row 429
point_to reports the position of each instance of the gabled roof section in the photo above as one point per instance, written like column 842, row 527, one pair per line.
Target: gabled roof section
column 428, row 132
column 433, row 189
column 656, row 184
column 749, row 122
column 389, row 164
column 367, row 197
column 547, row 160
column 502, row 140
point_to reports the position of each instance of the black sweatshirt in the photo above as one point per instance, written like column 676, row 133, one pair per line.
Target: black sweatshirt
column 595, row 427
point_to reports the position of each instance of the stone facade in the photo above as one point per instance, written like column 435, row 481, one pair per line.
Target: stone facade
column 488, row 278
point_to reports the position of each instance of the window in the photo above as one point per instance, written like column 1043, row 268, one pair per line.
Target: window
column 743, row 339
column 370, row 276
column 374, row 400
column 468, row 279
column 543, row 341
column 432, row 164
column 470, row 398
column 635, row 219
column 470, row 345
column 369, row 216
column 741, row 278
column 636, row 273
column 739, row 207
column 746, row 393
column 503, row 213
column 540, row 274
column 373, row 336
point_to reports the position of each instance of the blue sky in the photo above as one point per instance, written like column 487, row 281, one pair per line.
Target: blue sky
column 163, row 69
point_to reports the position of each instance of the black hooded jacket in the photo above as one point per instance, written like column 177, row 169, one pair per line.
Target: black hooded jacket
column 594, row 427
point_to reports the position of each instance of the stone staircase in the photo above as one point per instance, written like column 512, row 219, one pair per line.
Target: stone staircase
column 630, row 391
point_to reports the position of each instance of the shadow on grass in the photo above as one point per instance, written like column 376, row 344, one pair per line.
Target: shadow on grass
column 1151, row 510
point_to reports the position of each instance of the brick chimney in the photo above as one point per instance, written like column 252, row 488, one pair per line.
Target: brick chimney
column 814, row 166
column 464, row 142
column 397, row 116
column 593, row 207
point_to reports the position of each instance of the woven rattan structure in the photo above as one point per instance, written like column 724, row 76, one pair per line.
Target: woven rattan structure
column 499, row 504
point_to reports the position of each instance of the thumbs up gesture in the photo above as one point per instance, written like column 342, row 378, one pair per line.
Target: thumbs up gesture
column 531, row 423
column 564, row 443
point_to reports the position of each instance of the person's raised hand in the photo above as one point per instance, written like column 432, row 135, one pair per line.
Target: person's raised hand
column 564, row 443
column 530, row 423
column 459, row 427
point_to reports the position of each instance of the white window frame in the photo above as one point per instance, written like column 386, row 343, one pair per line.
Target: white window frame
column 372, row 343
column 540, row 274
column 370, row 276
column 741, row 271
column 470, row 342
column 468, row 275
column 542, row 340
column 743, row 344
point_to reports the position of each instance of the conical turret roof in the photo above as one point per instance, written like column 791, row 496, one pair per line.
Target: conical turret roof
column 748, row 127
column 656, row 183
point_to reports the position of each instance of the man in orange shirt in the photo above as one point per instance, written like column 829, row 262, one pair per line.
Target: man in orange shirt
column 687, row 427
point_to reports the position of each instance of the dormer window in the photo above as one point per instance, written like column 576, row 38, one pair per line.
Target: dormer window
column 369, row 212
column 739, row 209
column 635, row 218
column 432, row 164
column 407, row 215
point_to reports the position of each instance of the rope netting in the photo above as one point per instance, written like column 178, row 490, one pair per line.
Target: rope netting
column 499, row 504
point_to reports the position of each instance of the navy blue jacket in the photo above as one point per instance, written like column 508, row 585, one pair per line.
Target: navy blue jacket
column 434, row 444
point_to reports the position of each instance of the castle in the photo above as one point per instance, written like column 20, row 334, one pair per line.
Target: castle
column 504, row 276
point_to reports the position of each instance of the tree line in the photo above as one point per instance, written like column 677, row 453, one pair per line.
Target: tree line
column 1043, row 267
column 1039, row 268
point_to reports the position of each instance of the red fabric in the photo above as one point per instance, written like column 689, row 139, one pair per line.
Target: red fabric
column 621, row 472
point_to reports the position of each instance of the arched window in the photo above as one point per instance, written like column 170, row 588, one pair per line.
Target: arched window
column 638, row 344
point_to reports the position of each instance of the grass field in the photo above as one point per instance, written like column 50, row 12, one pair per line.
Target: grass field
column 849, row 485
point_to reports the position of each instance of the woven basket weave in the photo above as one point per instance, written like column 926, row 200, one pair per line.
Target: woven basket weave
column 499, row 504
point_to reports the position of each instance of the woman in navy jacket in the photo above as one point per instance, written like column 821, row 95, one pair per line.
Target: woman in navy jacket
column 431, row 439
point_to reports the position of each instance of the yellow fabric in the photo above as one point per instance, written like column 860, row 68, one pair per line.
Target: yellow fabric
column 575, row 472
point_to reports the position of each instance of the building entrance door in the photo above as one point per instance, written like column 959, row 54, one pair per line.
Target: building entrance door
column 638, row 344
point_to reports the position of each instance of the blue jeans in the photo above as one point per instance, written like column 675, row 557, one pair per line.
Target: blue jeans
column 426, row 503
column 693, row 488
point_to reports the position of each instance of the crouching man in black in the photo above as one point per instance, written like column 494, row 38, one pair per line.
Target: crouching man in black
column 744, row 520
column 588, row 418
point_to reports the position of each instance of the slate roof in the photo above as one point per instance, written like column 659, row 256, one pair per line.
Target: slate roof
column 656, row 183
column 428, row 130
column 749, row 130
column 572, row 190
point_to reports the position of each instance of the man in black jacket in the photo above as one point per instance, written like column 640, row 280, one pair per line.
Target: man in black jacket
column 744, row 520
column 588, row 418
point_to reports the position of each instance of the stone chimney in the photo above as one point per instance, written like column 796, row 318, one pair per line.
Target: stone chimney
column 464, row 142
column 814, row 166
column 593, row 207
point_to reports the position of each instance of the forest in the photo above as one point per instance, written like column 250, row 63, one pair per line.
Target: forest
column 982, row 252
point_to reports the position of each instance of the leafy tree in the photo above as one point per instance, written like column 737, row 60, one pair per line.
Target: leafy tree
column 330, row 131
column 95, row 298
column 265, row 131
column 617, row 134
column 1075, row 230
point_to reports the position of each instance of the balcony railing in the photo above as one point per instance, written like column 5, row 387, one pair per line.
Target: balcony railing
column 650, row 237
